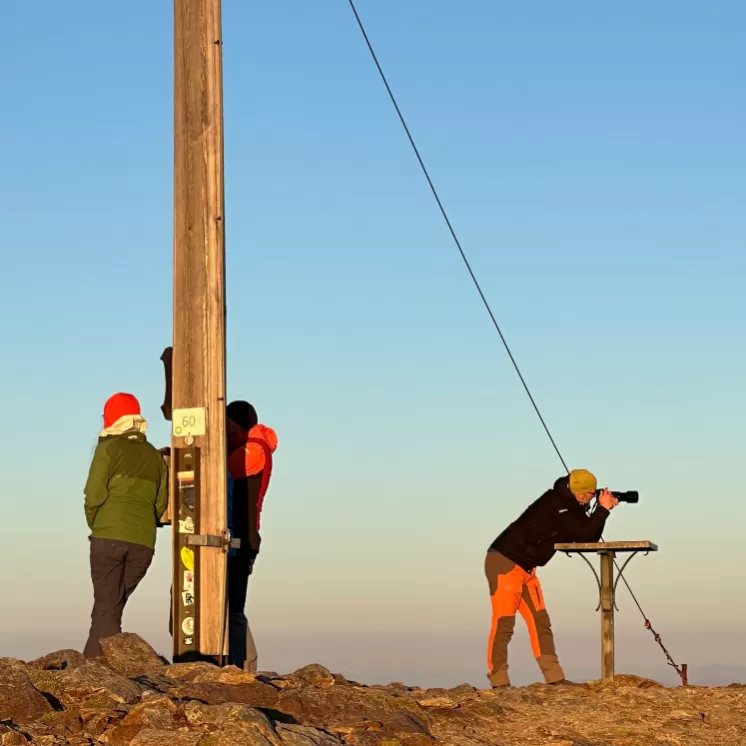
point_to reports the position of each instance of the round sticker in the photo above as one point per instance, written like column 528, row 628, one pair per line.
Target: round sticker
column 187, row 557
column 187, row 626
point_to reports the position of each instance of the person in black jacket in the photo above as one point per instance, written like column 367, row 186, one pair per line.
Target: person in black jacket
column 558, row 516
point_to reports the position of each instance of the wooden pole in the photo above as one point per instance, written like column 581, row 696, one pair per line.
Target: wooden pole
column 607, row 615
column 199, row 298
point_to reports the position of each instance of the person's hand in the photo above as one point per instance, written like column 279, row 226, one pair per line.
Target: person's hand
column 607, row 500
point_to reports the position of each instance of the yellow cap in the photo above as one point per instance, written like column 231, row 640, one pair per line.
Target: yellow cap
column 582, row 481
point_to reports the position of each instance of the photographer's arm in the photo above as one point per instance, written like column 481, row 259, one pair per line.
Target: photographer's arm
column 584, row 528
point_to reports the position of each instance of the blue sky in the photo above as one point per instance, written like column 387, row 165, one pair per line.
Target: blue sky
column 592, row 159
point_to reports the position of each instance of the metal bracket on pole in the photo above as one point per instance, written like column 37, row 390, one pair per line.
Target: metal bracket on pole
column 620, row 572
column 222, row 542
column 595, row 575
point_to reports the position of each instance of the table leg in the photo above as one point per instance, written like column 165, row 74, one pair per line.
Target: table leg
column 607, row 616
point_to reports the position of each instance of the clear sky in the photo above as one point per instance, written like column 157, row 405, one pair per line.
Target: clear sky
column 593, row 160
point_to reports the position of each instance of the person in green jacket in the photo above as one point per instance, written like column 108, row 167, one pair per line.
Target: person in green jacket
column 125, row 496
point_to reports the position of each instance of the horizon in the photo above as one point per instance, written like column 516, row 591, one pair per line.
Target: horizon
column 429, row 656
column 592, row 160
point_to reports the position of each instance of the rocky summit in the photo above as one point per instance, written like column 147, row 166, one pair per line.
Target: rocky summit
column 132, row 696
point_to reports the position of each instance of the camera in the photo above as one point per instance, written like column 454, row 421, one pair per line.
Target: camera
column 623, row 497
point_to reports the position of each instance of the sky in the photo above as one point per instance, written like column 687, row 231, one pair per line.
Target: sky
column 593, row 162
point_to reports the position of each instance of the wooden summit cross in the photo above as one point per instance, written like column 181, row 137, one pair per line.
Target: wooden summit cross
column 607, row 584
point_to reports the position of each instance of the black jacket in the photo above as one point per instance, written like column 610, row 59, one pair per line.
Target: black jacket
column 555, row 518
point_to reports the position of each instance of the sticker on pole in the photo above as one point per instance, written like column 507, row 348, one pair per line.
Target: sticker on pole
column 187, row 626
column 189, row 422
column 188, row 581
column 187, row 557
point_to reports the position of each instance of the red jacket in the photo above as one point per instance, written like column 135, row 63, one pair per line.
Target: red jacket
column 250, row 468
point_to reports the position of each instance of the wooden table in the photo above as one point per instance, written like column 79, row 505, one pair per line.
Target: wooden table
column 607, row 550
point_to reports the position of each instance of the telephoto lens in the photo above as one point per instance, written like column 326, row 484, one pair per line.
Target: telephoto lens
column 623, row 497
column 627, row 497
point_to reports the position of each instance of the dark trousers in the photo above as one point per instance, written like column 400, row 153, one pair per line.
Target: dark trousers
column 241, row 648
column 117, row 567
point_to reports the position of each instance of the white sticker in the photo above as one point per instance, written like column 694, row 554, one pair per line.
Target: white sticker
column 187, row 626
column 188, row 581
column 188, row 640
column 186, row 526
column 189, row 422
column 187, row 598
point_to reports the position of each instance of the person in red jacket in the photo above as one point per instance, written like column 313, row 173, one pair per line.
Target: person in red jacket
column 250, row 452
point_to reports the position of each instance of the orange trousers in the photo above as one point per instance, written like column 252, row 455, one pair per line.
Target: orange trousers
column 513, row 590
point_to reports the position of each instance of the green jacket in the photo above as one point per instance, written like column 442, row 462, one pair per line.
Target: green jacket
column 127, row 489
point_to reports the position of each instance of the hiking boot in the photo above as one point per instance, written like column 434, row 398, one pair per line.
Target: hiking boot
column 502, row 686
column 564, row 682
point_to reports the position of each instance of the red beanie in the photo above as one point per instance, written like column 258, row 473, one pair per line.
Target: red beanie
column 120, row 405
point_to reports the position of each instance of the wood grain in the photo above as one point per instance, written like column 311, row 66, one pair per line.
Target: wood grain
column 199, row 279
column 608, row 546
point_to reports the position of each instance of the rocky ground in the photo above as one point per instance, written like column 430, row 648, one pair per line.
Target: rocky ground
column 131, row 697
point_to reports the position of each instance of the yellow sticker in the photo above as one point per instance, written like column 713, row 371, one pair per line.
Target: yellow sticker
column 187, row 557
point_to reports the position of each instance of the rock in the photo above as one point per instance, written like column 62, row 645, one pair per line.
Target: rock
column 156, row 713
column 379, row 738
column 63, row 723
column 189, row 671
column 396, row 686
column 59, row 699
column 201, row 672
column 335, row 705
column 165, row 738
column 289, row 682
column 478, row 719
column 240, row 724
column 300, row 735
column 230, row 724
column 254, row 695
column 90, row 685
column 441, row 702
column 130, row 656
column 40, row 734
column 235, row 736
column 13, row 738
column 230, row 675
column 316, row 675
column 59, row 661
column 96, row 720
column 725, row 717
column 217, row 715
column 625, row 679
column 20, row 702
